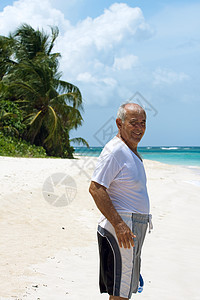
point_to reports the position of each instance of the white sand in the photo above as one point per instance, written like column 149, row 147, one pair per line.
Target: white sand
column 50, row 252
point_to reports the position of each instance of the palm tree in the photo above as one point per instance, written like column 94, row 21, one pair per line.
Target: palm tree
column 52, row 107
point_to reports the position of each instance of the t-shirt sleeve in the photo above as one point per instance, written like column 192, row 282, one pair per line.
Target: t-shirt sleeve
column 106, row 170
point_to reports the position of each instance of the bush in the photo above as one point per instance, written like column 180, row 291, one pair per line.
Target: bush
column 11, row 146
column 12, row 125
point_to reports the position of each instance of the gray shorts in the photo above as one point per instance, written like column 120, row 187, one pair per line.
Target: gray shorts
column 120, row 267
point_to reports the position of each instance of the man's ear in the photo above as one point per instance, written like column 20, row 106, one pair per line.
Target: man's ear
column 119, row 123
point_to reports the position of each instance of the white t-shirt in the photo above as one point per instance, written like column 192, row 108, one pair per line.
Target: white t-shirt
column 123, row 174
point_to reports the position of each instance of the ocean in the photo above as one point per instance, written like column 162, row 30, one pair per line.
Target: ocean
column 187, row 156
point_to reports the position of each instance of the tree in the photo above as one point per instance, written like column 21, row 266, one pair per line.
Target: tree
column 51, row 106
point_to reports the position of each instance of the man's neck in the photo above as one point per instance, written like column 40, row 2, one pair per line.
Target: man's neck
column 132, row 147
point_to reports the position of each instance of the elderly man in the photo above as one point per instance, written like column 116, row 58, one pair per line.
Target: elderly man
column 118, row 188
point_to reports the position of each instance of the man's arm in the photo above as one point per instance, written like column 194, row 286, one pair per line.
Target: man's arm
column 104, row 204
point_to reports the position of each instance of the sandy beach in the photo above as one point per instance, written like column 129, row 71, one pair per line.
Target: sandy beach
column 48, row 231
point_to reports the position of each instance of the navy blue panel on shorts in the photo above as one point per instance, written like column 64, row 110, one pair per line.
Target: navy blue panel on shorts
column 110, row 262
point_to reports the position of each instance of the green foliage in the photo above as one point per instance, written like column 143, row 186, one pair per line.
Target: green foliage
column 11, row 118
column 36, row 104
column 11, row 146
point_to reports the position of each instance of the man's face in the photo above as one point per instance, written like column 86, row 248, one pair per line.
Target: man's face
column 133, row 128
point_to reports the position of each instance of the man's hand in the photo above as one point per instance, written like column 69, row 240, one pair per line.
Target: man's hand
column 125, row 235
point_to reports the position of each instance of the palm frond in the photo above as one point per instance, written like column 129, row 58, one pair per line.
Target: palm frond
column 35, row 117
column 54, row 35
column 35, row 127
column 54, row 125
column 25, row 86
column 80, row 141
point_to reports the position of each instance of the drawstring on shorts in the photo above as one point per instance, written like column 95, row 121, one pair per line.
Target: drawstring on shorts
column 150, row 223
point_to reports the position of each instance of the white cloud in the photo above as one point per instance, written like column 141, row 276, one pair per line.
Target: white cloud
column 102, row 47
column 86, row 77
column 110, row 28
column 107, row 30
column 125, row 63
column 37, row 13
column 165, row 76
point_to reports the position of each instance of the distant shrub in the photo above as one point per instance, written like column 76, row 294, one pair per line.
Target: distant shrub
column 11, row 146
column 13, row 124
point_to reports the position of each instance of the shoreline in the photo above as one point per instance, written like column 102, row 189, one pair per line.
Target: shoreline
column 173, row 155
column 95, row 157
column 195, row 167
column 50, row 251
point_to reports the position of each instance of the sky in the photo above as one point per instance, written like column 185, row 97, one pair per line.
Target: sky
column 145, row 51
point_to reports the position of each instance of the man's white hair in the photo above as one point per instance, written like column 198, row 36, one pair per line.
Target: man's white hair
column 121, row 114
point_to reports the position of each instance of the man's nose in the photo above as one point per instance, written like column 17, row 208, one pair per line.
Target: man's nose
column 138, row 126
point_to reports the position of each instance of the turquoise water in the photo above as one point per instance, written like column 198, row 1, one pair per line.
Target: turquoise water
column 187, row 156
